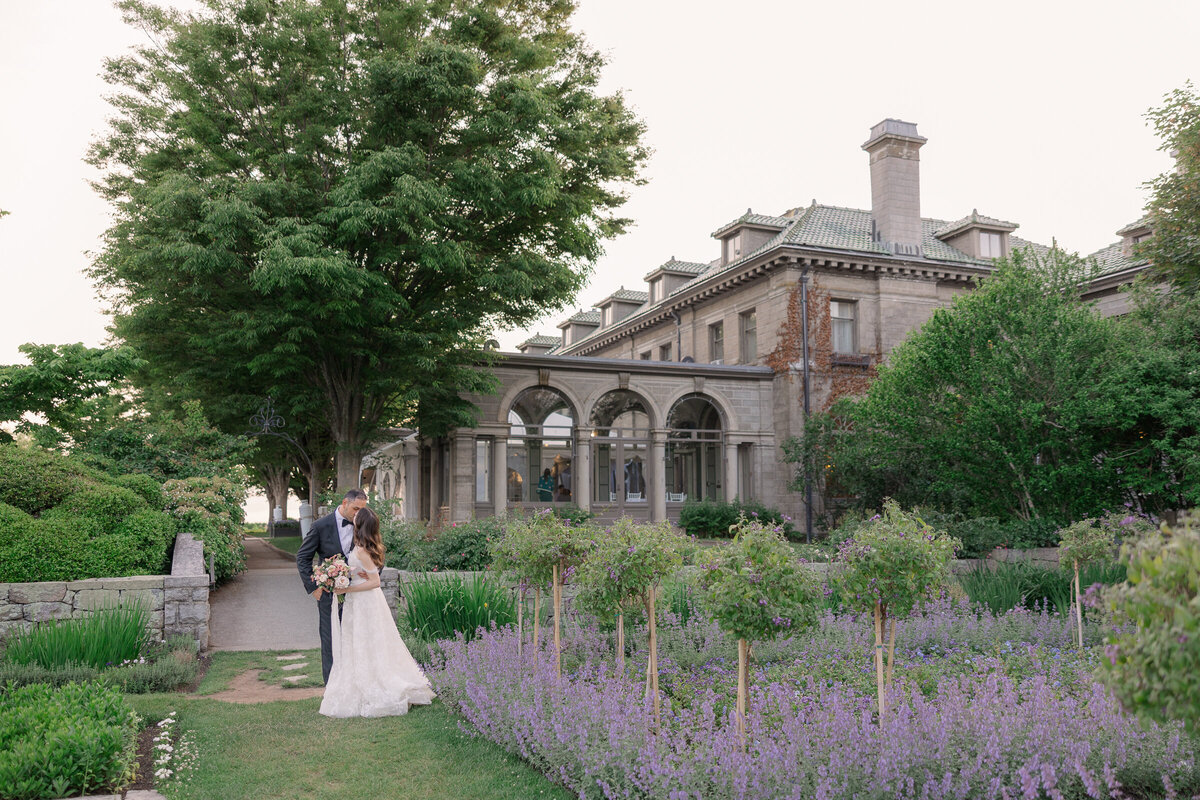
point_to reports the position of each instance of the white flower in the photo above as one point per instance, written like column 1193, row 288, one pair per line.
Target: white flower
column 342, row 582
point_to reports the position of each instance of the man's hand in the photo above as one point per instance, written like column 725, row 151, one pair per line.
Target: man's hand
column 362, row 574
column 317, row 594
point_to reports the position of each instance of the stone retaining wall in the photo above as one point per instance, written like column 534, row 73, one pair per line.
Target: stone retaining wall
column 178, row 602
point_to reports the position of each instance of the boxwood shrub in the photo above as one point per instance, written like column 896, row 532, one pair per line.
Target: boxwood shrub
column 34, row 480
column 712, row 519
column 70, row 740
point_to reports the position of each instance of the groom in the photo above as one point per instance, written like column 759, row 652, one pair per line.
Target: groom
column 331, row 535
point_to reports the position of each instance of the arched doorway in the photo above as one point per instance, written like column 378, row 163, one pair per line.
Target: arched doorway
column 540, row 448
column 693, row 456
column 621, row 455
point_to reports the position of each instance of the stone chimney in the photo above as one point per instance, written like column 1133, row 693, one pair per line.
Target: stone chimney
column 896, row 186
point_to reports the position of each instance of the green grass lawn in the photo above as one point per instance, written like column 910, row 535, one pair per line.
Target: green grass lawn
column 287, row 750
column 289, row 543
column 228, row 664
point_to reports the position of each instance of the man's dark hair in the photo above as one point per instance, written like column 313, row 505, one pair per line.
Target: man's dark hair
column 355, row 494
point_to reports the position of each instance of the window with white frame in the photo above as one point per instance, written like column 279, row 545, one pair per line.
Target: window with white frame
column 991, row 245
column 749, row 336
column 842, row 321
column 716, row 342
column 483, row 470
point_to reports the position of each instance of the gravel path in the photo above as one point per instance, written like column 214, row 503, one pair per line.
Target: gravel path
column 264, row 608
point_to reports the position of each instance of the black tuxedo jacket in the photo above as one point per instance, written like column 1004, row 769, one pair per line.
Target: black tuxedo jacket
column 323, row 541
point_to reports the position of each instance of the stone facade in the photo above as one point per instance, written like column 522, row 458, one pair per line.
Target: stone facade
column 724, row 330
column 178, row 602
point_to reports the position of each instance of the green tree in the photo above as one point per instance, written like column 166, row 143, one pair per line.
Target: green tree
column 756, row 589
column 74, row 391
column 342, row 199
column 626, row 567
column 888, row 568
column 1174, row 207
column 1154, row 667
column 1003, row 404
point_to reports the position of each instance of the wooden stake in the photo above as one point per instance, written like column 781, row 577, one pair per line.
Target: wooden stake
column 654, row 662
column 537, row 614
column 879, row 658
column 520, row 622
column 620, row 643
column 742, row 689
column 891, row 651
column 1078, row 604
column 557, row 619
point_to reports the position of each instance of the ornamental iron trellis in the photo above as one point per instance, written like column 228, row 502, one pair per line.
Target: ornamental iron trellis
column 268, row 422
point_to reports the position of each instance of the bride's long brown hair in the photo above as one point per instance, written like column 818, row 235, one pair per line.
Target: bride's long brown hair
column 366, row 535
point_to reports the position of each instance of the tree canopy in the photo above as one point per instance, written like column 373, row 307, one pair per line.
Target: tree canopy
column 1174, row 208
column 1019, row 401
column 334, row 203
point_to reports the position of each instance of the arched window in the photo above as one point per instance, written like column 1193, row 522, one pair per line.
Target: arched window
column 694, row 451
column 540, row 447
column 620, row 451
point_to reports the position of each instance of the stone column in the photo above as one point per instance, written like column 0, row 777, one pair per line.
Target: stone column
column 658, row 474
column 582, row 468
column 462, row 478
column 412, row 481
column 731, row 470
column 500, row 474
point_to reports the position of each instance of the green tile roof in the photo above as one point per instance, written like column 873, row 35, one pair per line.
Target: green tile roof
column 629, row 295
column 974, row 218
column 540, row 341
column 750, row 218
column 585, row 317
column 679, row 267
column 1144, row 222
column 1113, row 259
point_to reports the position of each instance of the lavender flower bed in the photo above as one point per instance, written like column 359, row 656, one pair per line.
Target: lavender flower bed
column 1000, row 708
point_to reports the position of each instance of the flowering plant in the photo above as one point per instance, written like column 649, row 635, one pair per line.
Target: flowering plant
column 332, row 573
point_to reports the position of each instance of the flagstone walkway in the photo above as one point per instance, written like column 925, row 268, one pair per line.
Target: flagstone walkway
column 264, row 608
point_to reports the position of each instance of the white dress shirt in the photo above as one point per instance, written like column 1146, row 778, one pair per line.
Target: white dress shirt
column 345, row 532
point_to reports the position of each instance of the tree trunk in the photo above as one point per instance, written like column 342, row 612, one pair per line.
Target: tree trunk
column 349, row 468
column 743, row 686
column 278, row 479
column 269, row 491
column 1078, row 604
column 879, row 658
column 557, row 588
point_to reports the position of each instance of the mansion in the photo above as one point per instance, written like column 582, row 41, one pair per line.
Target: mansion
column 687, row 389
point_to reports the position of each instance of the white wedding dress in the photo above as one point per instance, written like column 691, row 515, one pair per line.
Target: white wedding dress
column 373, row 673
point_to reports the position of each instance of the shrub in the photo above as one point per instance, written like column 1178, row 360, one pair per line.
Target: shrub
column 285, row 527
column 106, row 638
column 53, row 548
column 68, row 740
column 34, row 480
column 148, row 488
column 406, row 545
column 464, row 545
column 571, row 513
column 714, row 519
column 442, row 607
column 1154, row 668
column 211, row 509
column 13, row 523
column 107, row 504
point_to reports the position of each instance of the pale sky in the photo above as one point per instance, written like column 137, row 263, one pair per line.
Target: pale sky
column 1034, row 112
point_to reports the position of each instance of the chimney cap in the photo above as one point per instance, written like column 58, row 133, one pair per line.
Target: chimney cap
column 894, row 129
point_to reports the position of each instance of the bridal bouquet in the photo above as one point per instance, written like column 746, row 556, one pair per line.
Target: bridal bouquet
column 332, row 573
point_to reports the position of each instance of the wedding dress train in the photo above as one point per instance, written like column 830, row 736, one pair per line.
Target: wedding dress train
column 373, row 673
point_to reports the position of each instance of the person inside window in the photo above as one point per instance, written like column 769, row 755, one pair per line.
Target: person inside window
column 545, row 488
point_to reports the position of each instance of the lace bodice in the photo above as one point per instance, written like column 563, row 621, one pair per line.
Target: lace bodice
column 358, row 565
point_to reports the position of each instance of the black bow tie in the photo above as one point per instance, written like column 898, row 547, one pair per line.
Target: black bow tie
column 347, row 522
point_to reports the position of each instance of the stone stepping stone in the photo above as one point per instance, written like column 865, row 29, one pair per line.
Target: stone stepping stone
column 292, row 657
column 300, row 665
column 294, row 678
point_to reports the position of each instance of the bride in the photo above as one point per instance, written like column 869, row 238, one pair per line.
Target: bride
column 373, row 673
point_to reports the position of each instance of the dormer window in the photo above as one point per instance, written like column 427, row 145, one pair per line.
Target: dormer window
column 733, row 248
column 608, row 316
column 991, row 245
column 1141, row 237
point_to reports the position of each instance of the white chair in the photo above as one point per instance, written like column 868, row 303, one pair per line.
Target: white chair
column 676, row 497
column 633, row 497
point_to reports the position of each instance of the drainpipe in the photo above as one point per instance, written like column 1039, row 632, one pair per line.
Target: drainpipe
column 808, row 492
column 678, row 336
